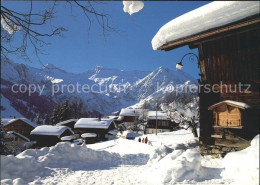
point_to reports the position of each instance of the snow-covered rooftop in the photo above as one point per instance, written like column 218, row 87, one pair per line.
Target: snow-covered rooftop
column 132, row 112
column 67, row 121
column 209, row 16
column 7, row 121
column 231, row 102
column 17, row 134
column 93, row 123
column 160, row 115
column 50, row 130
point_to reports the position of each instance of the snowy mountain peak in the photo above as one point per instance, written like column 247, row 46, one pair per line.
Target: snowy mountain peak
column 119, row 88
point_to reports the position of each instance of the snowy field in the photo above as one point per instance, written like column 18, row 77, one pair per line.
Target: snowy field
column 168, row 158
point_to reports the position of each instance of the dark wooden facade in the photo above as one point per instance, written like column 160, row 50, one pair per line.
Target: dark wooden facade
column 101, row 132
column 48, row 140
column 129, row 118
column 229, row 68
column 20, row 126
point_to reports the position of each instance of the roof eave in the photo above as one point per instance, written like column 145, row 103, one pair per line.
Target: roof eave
column 212, row 32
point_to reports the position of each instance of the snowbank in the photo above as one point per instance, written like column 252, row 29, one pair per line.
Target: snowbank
column 31, row 163
column 210, row 16
column 132, row 6
column 243, row 166
column 176, row 166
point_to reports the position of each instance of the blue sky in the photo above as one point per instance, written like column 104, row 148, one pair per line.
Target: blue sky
column 128, row 49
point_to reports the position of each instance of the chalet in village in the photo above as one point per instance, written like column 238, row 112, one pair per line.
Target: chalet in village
column 20, row 125
column 228, row 43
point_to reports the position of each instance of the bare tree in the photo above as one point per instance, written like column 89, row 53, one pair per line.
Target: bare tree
column 26, row 27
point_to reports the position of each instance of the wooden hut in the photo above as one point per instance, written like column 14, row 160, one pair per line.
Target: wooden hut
column 48, row 135
column 164, row 124
column 20, row 125
column 227, row 35
column 99, row 126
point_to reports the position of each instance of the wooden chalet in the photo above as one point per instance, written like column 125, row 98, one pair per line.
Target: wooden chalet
column 20, row 125
column 99, row 126
column 48, row 135
column 229, row 50
column 14, row 140
column 164, row 124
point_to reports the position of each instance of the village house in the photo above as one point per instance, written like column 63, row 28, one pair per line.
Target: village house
column 15, row 141
column 48, row 135
column 164, row 124
column 100, row 126
column 20, row 125
column 227, row 38
column 132, row 115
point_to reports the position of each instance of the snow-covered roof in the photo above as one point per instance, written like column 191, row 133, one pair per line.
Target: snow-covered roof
column 17, row 134
column 50, row 130
column 67, row 121
column 209, row 16
column 85, row 135
column 230, row 102
column 160, row 115
column 7, row 121
column 93, row 123
column 132, row 112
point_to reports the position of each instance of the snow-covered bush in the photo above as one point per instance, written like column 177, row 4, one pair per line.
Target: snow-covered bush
column 243, row 166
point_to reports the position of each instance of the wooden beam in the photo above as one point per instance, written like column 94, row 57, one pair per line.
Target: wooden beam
column 202, row 64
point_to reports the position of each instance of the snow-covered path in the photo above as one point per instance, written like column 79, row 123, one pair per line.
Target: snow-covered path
column 168, row 158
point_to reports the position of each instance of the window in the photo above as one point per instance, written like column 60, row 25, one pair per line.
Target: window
column 163, row 123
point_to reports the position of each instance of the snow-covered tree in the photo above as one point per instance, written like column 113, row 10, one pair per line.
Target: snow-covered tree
column 184, row 111
column 38, row 119
column 47, row 120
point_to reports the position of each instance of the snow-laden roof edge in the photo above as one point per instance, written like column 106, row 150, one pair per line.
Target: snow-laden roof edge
column 7, row 121
column 230, row 102
column 19, row 135
column 93, row 123
column 160, row 115
column 132, row 112
column 50, row 130
column 209, row 16
column 66, row 121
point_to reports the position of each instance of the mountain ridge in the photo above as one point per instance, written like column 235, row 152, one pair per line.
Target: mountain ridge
column 120, row 88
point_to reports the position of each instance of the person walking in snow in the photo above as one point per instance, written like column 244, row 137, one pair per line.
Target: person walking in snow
column 143, row 140
column 139, row 140
column 146, row 140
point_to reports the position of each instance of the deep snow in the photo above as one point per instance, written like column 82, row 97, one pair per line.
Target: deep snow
column 168, row 158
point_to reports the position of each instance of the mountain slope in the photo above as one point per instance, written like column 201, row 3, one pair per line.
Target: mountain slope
column 108, row 89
